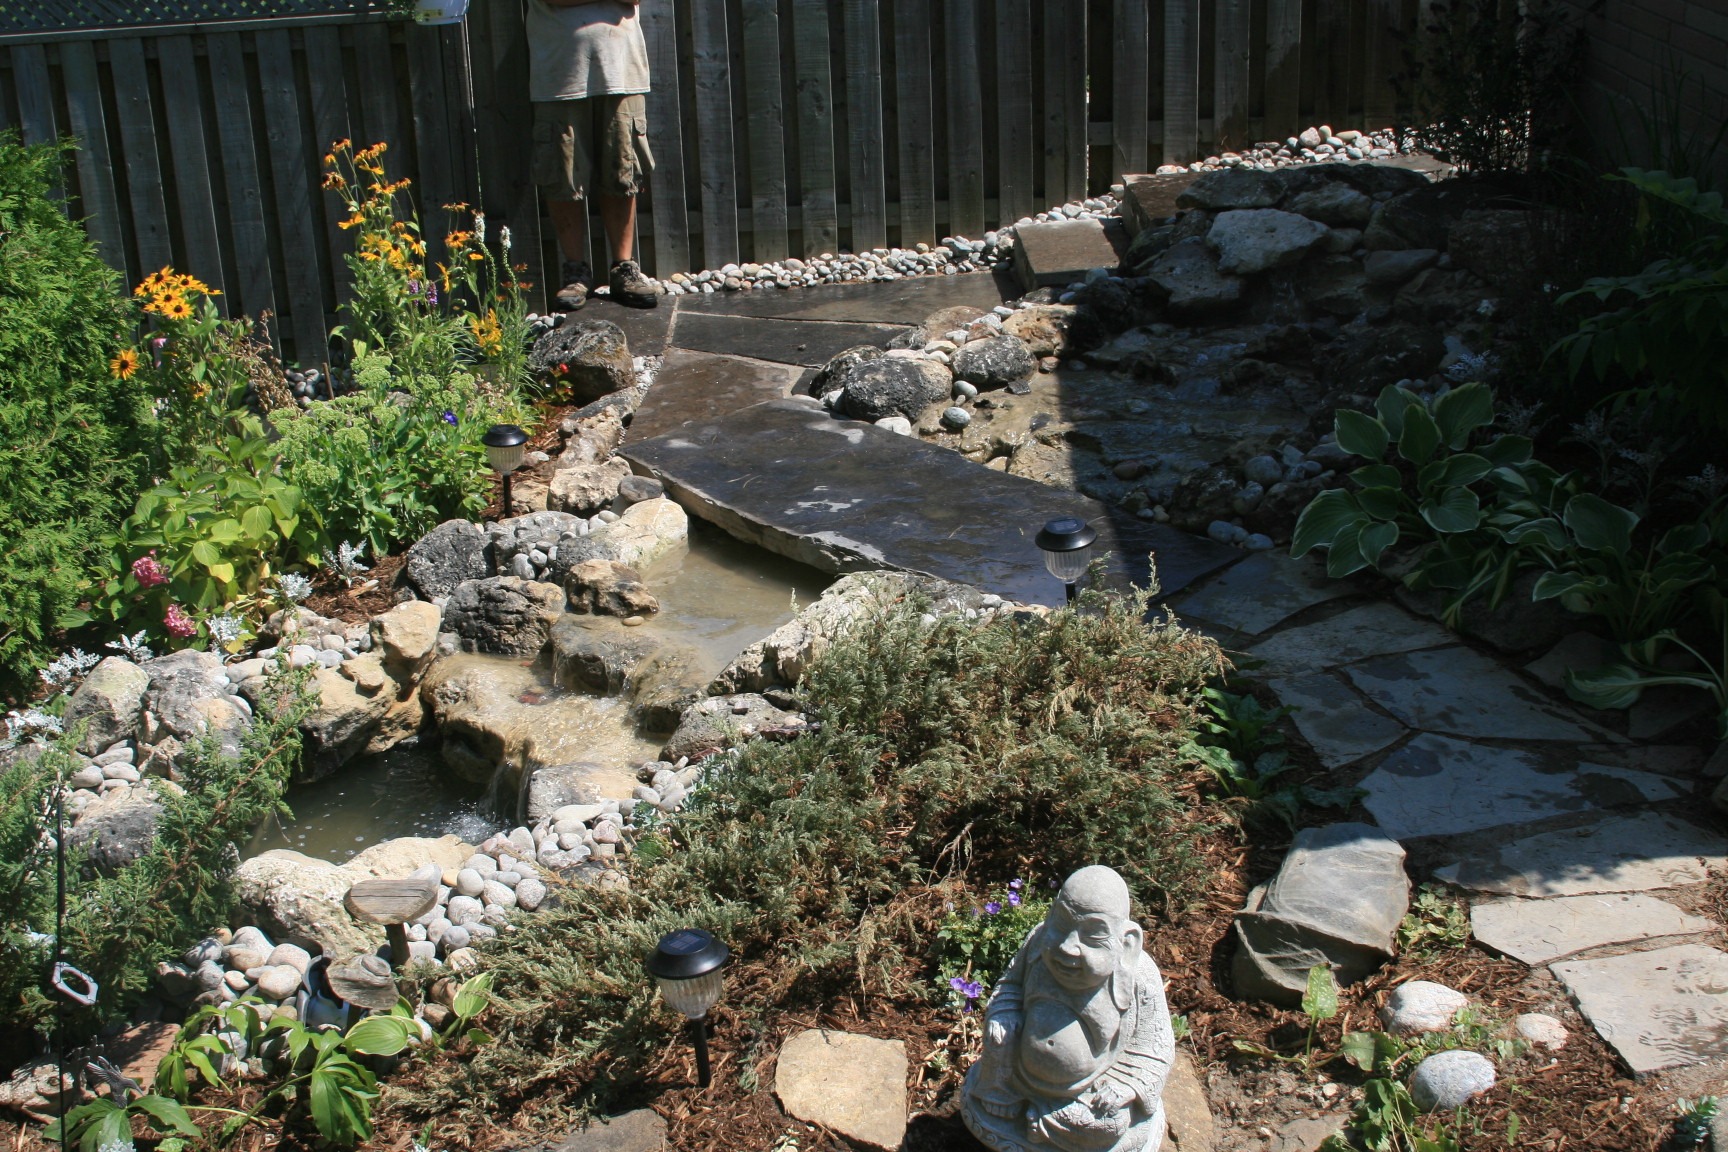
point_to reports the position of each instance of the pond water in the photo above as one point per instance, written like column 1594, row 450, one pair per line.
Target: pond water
column 716, row 598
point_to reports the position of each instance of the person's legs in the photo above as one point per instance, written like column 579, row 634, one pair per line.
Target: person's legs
column 618, row 214
column 563, row 145
column 570, row 222
column 625, row 162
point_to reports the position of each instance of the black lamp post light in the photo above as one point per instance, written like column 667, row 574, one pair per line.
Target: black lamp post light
column 1066, row 543
column 687, row 964
column 506, row 445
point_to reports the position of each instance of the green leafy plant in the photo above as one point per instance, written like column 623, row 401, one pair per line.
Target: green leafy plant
column 1692, row 1126
column 1319, row 1004
column 1620, row 683
column 974, row 948
column 1436, row 920
column 1387, row 1120
column 105, row 1122
column 1239, row 745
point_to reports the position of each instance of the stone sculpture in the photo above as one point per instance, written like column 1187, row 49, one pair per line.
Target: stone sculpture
column 1077, row 1036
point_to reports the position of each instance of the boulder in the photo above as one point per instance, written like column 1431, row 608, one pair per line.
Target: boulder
column 833, row 374
column 297, row 898
column 121, row 825
column 107, row 703
column 945, row 320
column 1233, row 188
column 1261, row 239
column 608, row 588
column 1189, row 274
column 347, row 714
column 446, row 556
column 720, row 722
column 504, row 615
column 475, row 707
column 1495, row 244
column 407, row 635
column 389, row 859
column 1365, row 360
column 1334, row 204
column 892, row 386
column 590, row 357
column 994, row 362
column 1337, row 899
column 1439, row 296
column 584, row 489
column 1389, row 269
column 1335, row 285
column 1448, row 1080
column 594, row 433
column 1043, row 328
column 643, row 534
column 595, row 659
column 545, row 790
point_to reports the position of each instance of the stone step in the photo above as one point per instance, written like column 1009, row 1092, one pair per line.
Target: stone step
column 1616, row 854
column 1147, row 199
column 1662, row 1009
column 845, row 496
column 1542, row 931
column 1058, row 252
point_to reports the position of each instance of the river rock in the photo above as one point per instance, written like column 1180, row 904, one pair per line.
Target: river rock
column 1337, row 899
column 469, row 882
column 589, row 357
column 994, row 362
column 1421, row 1006
column 278, row 982
column 530, row 893
column 641, row 535
column 1448, row 1080
column 451, row 553
column 1262, row 239
column 721, row 721
column 608, row 588
column 121, row 825
column 584, row 489
column 875, row 389
column 107, row 703
column 497, row 894
column 1043, row 328
column 504, row 615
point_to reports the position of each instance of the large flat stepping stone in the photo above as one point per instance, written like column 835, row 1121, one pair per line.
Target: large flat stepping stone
column 1440, row 786
column 642, row 1130
column 1147, row 199
column 644, row 328
column 1618, row 854
column 1334, row 719
column 1661, row 1009
column 854, row 1084
column 1539, row 931
column 1463, row 693
column 811, row 344
column 845, row 496
column 1056, row 253
column 1265, row 589
column 700, row 386
column 904, row 301
column 1376, row 629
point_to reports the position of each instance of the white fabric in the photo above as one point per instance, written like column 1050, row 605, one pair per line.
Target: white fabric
column 585, row 50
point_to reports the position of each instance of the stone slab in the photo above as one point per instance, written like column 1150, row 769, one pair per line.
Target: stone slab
column 1265, row 589
column 845, row 496
column 642, row 1130
column 1187, row 1117
column 904, row 301
column 1376, row 629
column 700, row 386
column 1147, row 199
column 1056, row 253
column 1576, row 652
column 786, row 341
column 1335, row 720
column 1616, row 854
column 644, row 329
column 1540, row 931
column 854, row 1084
column 1440, row 786
column 1662, row 1009
column 1463, row 693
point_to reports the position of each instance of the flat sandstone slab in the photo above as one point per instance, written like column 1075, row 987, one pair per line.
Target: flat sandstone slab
column 1056, row 253
column 853, row 1084
column 845, row 496
column 1661, row 1009
column 1464, row 693
column 1540, row 931
column 1620, row 854
column 1440, row 786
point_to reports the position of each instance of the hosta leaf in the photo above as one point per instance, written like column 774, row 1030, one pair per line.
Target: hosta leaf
column 1381, row 503
column 1375, row 538
column 1462, row 411
column 1345, row 555
column 1360, row 434
column 1328, row 514
column 1598, row 525
column 1455, row 510
column 1420, row 437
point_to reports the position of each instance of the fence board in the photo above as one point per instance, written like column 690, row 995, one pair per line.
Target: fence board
column 240, row 164
column 815, row 87
column 1230, row 76
column 666, row 194
column 714, row 125
column 498, row 63
column 99, row 203
column 329, row 97
column 1181, row 81
column 380, row 118
column 289, row 176
column 1014, row 108
column 1332, row 85
column 917, row 122
column 1072, row 44
column 1130, row 92
column 137, row 123
column 432, row 145
column 965, row 121
column 1283, row 68
column 1379, row 105
column 1054, row 152
column 864, row 146
column 766, row 118
column 183, row 112
column 35, row 98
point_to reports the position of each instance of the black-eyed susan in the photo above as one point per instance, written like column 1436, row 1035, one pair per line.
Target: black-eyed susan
column 124, row 365
column 176, row 308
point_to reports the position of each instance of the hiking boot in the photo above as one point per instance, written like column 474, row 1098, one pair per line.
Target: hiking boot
column 577, row 277
column 628, row 285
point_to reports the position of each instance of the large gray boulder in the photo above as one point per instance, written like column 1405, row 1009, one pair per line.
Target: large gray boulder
column 1233, row 188
column 1337, row 899
column 108, row 703
column 504, row 615
column 1188, row 271
column 993, row 362
column 1259, row 240
column 189, row 697
column 121, row 826
column 590, row 357
column 719, row 722
column 891, row 386
column 1335, row 204
column 643, row 534
column 446, row 556
column 352, row 703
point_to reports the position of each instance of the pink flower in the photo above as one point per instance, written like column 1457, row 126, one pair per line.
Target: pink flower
column 148, row 571
column 178, row 623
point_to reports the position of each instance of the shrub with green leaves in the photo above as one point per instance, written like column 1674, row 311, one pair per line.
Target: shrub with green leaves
column 72, row 430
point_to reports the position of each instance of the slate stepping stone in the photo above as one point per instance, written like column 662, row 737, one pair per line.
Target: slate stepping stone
column 786, row 341
column 1464, row 693
column 1618, row 854
column 1376, row 629
column 1539, row 931
column 854, row 1084
column 1263, row 590
column 1335, row 720
column 700, row 386
column 1662, row 1009
column 905, row 301
column 1059, row 252
column 1440, row 786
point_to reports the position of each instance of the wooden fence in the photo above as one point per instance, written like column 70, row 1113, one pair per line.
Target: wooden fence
column 779, row 127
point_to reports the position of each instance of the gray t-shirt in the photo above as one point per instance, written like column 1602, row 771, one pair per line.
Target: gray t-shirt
column 585, row 50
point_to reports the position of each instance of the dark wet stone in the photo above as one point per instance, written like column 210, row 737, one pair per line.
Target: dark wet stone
column 906, row 301
column 702, row 386
column 782, row 341
column 876, row 389
column 1232, row 188
column 590, row 357
column 1148, row 199
column 994, row 362
column 843, row 496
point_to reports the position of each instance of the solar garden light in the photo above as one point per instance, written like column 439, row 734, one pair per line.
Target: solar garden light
column 687, row 964
column 1066, row 543
column 504, row 451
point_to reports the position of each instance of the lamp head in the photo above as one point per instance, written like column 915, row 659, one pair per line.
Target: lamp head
column 687, row 963
column 505, row 447
column 1066, row 543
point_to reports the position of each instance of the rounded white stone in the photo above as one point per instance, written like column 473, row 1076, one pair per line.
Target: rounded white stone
column 1539, row 1028
column 1447, row 1080
column 470, row 882
column 1421, row 1006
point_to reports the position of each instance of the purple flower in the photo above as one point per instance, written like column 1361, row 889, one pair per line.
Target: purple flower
column 1014, row 899
column 992, row 908
column 970, row 989
column 450, row 418
column 1016, row 885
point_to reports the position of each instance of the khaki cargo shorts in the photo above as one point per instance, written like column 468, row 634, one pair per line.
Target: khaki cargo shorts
column 596, row 145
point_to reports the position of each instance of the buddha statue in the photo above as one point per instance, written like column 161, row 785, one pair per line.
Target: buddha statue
column 1077, row 1037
